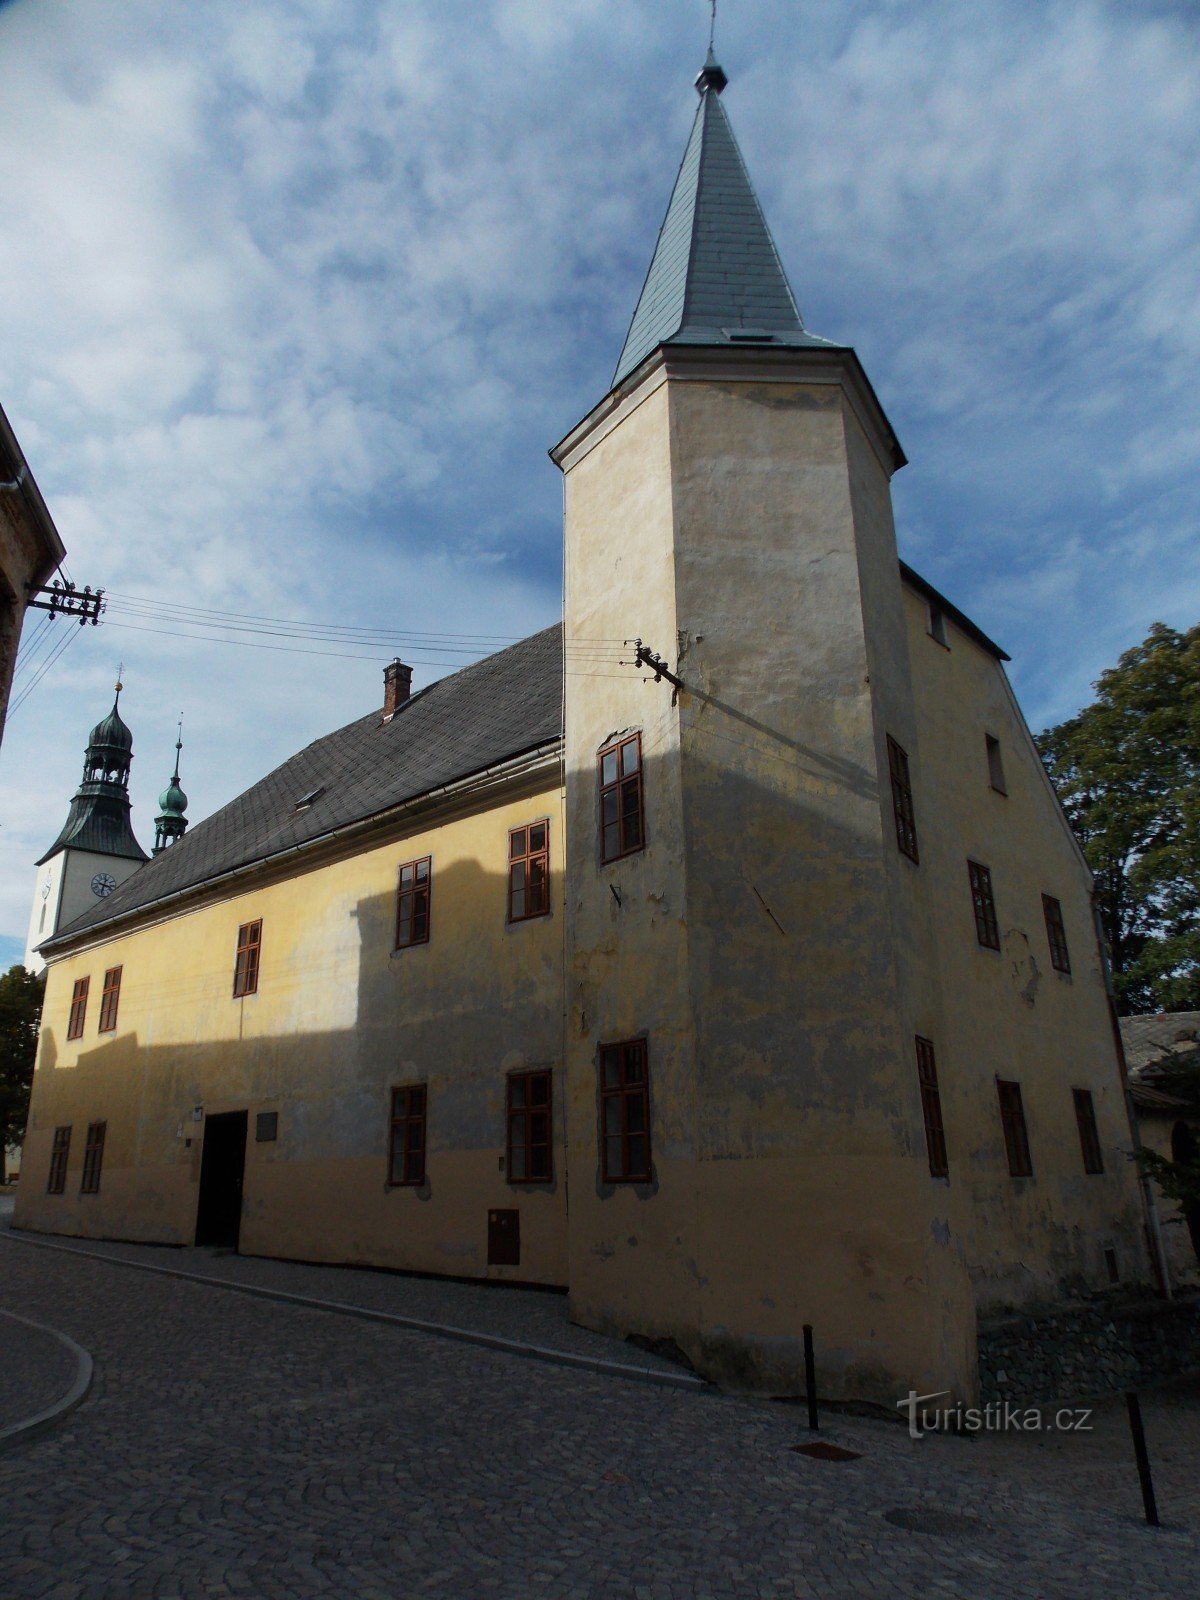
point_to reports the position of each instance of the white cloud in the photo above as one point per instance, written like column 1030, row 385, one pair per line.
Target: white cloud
column 299, row 293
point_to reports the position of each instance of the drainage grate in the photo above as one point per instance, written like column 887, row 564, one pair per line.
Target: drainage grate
column 820, row 1451
column 917, row 1520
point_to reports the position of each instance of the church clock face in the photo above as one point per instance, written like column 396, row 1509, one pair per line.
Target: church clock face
column 103, row 883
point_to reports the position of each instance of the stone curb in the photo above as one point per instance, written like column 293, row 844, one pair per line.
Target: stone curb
column 42, row 1421
column 441, row 1330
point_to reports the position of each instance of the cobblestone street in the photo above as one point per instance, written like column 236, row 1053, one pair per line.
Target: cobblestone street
column 232, row 1446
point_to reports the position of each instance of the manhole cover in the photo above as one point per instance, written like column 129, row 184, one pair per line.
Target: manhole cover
column 943, row 1522
column 820, row 1451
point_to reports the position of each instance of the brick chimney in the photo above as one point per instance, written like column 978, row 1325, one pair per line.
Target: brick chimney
column 397, row 686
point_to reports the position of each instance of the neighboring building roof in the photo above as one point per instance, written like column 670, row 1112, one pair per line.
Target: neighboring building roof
column 916, row 581
column 715, row 273
column 1155, row 1101
column 474, row 719
column 1168, row 1039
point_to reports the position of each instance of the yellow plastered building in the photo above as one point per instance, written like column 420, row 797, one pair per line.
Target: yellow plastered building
column 722, row 956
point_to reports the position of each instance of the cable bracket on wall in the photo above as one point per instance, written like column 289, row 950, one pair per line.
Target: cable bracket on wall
column 65, row 600
column 643, row 656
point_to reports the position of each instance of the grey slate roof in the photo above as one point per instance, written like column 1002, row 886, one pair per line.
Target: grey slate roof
column 1153, row 1040
column 499, row 707
column 715, row 268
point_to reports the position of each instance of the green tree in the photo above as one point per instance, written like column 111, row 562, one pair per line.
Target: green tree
column 20, row 1013
column 1127, row 770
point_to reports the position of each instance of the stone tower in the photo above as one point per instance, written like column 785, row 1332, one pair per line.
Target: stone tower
column 96, row 849
column 728, row 503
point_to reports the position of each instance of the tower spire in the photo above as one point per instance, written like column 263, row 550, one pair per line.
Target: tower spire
column 171, row 824
column 715, row 277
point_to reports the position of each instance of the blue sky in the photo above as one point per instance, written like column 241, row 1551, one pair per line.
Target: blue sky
column 294, row 297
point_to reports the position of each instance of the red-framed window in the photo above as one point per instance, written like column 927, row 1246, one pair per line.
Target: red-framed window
column 529, row 871
column 110, row 999
column 1056, row 934
column 530, row 1157
column 413, row 897
column 625, row 1112
column 931, row 1108
column 93, row 1158
column 987, row 929
column 1089, row 1134
column 59, row 1154
column 902, row 800
column 79, row 1000
column 622, row 825
column 406, row 1142
column 1016, row 1134
column 246, row 960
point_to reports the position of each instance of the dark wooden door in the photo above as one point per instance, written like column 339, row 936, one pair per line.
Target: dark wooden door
column 504, row 1238
column 222, row 1167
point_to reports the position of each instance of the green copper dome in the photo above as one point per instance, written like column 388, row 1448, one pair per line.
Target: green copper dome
column 172, row 802
column 111, row 733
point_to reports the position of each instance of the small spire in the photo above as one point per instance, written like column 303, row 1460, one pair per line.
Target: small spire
column 711, row 75
column 178, row 748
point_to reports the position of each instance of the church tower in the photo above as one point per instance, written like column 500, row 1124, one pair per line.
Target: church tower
column 746, row 964
column 171, row 823
column 96, row 849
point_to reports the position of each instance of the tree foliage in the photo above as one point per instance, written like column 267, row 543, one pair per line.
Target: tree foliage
column 20, row 1014
column 1127, row 770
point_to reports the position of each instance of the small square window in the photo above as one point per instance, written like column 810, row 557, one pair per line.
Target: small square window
column 406, row 1151
column 622, row 830
column 266, row 1127
column 79, row 1000
column 110, row 1000
column 530, row 1138
column 246, row 960
column 413, row 901
column 529, row 872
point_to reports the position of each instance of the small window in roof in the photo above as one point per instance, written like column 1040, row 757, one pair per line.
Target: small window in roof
column 306, row 800
column 749, row 336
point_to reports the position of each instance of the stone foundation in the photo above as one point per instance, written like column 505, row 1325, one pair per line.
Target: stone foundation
column 1078, row 1352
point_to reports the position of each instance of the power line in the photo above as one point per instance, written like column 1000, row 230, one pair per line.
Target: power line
column 54, row 655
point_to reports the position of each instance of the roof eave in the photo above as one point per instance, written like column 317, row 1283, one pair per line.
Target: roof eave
column 504, row 772
column 768, row 363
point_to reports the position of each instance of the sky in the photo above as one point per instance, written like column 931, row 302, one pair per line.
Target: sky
column 295, row 296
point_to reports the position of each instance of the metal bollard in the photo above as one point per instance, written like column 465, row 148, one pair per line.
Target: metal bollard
column 810, row 1376
column 1143, row 1460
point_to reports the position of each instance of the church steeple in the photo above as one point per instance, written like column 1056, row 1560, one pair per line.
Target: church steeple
column 171, row 824
column 98, row 820
column 715, row 277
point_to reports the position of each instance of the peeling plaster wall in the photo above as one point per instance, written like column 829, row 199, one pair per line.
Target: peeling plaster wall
column 1008, row 1013
column 337, row 1021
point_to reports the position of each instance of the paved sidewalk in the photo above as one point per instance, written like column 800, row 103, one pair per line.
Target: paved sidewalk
column 531, row 1317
